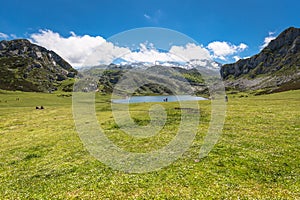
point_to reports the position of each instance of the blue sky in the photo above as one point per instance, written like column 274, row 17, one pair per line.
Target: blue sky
column 232, row 21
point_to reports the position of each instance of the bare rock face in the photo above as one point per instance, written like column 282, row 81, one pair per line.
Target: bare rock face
column 28, row 67
column 276, row 67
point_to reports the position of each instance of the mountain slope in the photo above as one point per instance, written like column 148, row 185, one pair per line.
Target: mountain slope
column 275, row 68
column 109, row 76
column 28, row 67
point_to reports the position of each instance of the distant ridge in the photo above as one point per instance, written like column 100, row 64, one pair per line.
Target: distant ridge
column 28, row 67
column 275, row 68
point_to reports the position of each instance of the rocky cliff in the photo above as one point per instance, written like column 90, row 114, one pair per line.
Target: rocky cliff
column 275, row 68
column 28, row 67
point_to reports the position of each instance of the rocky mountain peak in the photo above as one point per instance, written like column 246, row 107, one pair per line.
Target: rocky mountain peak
column 275, row 67
column 29, row 67
column 286, row 38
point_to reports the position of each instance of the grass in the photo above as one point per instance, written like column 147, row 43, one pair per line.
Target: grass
column 256, row 157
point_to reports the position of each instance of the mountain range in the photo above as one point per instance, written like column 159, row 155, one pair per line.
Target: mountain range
column 157, row 79
column 28, row 67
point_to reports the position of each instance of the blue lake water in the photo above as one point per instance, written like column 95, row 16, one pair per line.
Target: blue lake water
column 170, row 98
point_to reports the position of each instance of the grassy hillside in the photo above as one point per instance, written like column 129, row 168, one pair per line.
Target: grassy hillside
column 257, row 156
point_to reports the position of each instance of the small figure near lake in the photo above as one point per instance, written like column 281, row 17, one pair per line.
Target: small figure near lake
column 226, row 98
column 166, row 99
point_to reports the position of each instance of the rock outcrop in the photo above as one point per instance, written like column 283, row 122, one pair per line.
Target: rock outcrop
column 28, row 67
column 275, row 68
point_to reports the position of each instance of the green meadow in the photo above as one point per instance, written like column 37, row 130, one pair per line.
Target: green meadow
column 257, row 155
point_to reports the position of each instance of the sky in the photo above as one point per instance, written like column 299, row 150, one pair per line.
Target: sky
column 226, row 30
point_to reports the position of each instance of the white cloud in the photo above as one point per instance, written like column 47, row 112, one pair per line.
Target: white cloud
column 73, row 33
column 223, row 49
column 236, row 58
column 176, row 54
column 88, row 50
column 242, row 47
column 147, row 16
column 190, row 52
column 148, row 54
column 106, row 53
column 268, row 39
column 154, row 17
column 272, row 32
column 13, row 36
column 76, row 49
column 3, row 35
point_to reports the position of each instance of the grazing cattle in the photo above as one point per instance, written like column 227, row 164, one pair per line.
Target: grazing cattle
column 37, row 107
column 42, row 107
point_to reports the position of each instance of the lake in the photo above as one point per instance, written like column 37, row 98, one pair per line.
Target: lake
column 170, row 98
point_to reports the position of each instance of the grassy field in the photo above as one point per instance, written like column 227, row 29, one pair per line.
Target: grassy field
column 256, row 157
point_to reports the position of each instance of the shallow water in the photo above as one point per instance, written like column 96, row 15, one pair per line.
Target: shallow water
column 170, row 98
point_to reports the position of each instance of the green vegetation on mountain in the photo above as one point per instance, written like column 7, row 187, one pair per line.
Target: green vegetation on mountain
column 275, row 68
column 28, row 67
column 110, row 75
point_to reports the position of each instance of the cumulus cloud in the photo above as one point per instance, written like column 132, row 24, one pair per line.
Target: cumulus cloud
column 106, row 53
column 148, row 54
column 87, row 50
column 191, row 51
column 223, row 49
column 3, row 35
column 76, row 49
column 176, row 54
column 90, row 51
column 268, row 39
